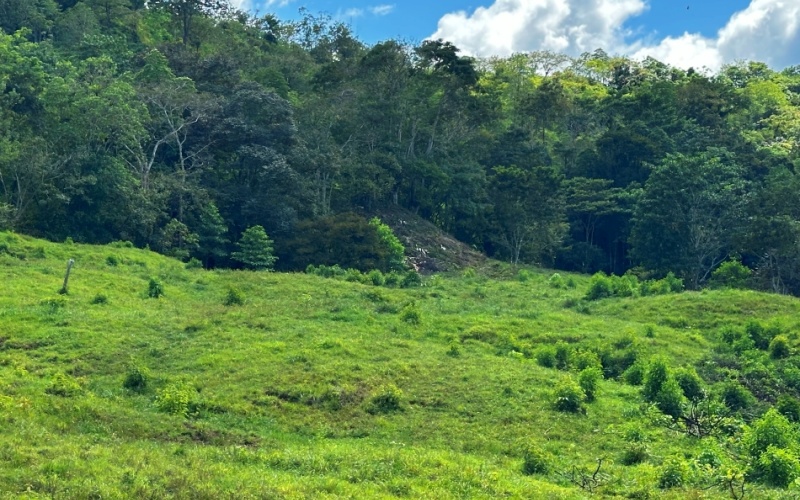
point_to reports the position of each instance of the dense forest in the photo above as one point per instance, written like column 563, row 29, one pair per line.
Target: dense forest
column 179, row 124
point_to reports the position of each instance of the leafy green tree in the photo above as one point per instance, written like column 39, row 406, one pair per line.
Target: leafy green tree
column 395, row 258
column 528, row 211
column 255, row 250
column 689, row 214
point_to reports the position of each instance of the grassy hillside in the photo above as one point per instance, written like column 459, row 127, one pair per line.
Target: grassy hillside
column 320, row 388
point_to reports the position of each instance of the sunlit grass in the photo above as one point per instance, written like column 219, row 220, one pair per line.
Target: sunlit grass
column 280, row 387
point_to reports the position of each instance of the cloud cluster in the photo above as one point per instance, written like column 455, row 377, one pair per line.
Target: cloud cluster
column 767, row 30
column 375, row 10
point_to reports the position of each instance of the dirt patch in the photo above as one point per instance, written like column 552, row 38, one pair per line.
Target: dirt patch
column 428, row 248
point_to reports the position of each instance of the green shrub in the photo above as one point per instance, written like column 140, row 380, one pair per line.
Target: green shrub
column 730, row 274
column 395, row 259
column 546, row 356
column 524, row 275
column 670, row 398
column 709, row 458
column 535, row 461
column 772, row 429
column 376, row 277
column 155, row 289
column 255, row 250
column 661, row 388
column 99, row 299
column 469, row 273
column 411, row 279
column 112, row 260
column 352, row 275
column 735, row 396
column 789, row 407
column 600, row 287
column 635, row 453
column 194, row 263
column 174, row 399
column 778, row 467
column 761, row 335
column 137, row 378
column 563, row 355
column 656, row 376
column 410, row 314
column 587, row 359
column 454, row 350
column 556, row 281
column 674, row 473
column 589, row 380
column 234, row 297
column 64, row 386
column 779, row 347
column 690, row 383
column 386, row 399
column 568, row 397
column 634, row 375
column 393, row 279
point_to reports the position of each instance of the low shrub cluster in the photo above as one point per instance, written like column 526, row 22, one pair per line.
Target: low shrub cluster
column 603, row 286
column 393, row 279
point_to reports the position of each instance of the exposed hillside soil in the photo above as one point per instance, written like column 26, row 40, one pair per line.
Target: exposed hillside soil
column 429, row 249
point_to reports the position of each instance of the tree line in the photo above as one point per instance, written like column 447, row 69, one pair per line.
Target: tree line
column 179, row 124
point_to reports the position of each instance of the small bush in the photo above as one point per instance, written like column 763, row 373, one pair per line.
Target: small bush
column 772, row 429
column 587, row 359
column 255, row 250
column 778, row 467
column 137, row 378
column 589, row 380
column 376, row 277
column 469, row 273
column 779, row 347
column 524, row 275
column 234, row 297
column 568, row 397
column 600, row 287
column 393, row 279
column 64, row 386
column 735, row 396
column 99, row 299
column 635, row 453
column 563, row 355
column 386, row 399
column 731, row 274
column 761, row 335
column 546, row 356
column 674, row 473
column 410, row 314
column 690, row 383
column 174, row 399
column 670, row 398
column 789, row 407
column 155, row 289
column 112, row 260
column 556, row 281
column 634, row 375
column 535, row 461
column 194, row 264
column 352, row 275
column 454, row 350
column 411, row 279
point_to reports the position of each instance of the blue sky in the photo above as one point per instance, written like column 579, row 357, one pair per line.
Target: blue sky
column 709, row 33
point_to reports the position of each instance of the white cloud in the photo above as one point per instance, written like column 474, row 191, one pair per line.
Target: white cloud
column 350, row 13
column 382, row 10
column 767, row 30
column 251, row 4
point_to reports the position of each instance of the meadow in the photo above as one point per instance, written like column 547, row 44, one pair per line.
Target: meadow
column 151, row 380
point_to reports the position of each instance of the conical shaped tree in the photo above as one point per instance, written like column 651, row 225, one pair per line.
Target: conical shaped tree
column 255, row 249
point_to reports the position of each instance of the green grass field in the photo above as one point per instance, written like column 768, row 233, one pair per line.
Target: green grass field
column 318, row 388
